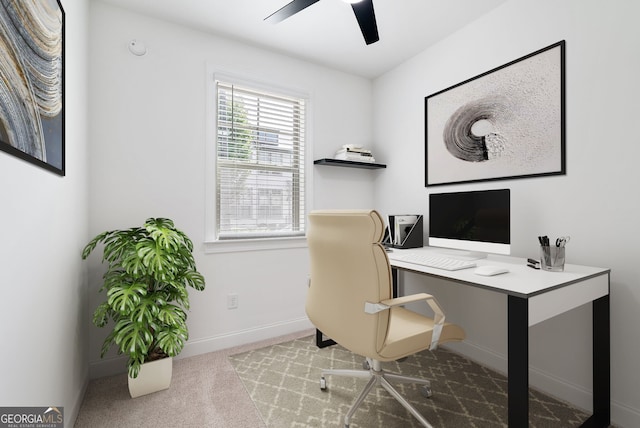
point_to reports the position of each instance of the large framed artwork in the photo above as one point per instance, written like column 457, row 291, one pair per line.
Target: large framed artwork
column 32, row 82
column 503, row 124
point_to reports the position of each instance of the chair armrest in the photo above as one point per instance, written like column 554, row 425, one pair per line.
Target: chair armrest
column 438, row 319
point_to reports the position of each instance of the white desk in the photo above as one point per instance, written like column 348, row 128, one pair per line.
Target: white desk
column 534, row 296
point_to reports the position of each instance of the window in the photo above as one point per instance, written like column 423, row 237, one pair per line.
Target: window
column 259, row 172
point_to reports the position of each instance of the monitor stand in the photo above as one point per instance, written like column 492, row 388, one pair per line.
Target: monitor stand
column 462, row 254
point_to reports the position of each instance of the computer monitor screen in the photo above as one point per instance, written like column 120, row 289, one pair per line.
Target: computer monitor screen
column 476, row 221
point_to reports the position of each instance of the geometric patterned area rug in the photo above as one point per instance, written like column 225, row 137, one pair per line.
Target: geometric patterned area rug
column 283, row 381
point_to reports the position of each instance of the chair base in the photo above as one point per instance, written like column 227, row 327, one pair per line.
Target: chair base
column 377, row 376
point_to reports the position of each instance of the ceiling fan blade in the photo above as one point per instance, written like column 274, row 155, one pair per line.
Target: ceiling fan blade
column 367, row 20
column 289, row 9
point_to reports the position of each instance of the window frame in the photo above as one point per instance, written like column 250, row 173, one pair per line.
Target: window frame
column 212, row 243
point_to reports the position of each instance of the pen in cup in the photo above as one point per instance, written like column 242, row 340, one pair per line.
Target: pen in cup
column 545, row 256
column 552, row 257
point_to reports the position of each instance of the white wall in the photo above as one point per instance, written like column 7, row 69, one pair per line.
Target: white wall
column 44, row 359
column 596, row 202
column 147, row 147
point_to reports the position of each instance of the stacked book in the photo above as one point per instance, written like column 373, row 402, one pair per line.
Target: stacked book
column 354, row 153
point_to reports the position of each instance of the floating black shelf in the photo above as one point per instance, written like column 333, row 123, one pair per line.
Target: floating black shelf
column 348, row 164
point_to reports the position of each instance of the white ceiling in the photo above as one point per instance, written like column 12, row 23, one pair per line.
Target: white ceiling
column 327, row 31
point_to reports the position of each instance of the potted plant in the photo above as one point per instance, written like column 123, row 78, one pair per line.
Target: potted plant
column 149, row 270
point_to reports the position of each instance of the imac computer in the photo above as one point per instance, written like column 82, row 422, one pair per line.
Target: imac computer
column 473, row 223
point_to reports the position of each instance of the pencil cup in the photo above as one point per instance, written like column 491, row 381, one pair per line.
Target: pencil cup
column 552, row 258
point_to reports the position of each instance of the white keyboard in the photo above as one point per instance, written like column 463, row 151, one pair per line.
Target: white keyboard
column 430, row 260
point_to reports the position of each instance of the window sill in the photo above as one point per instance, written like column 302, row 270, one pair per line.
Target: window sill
column 263, row 244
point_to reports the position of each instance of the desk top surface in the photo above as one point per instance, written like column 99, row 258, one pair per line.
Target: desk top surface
column 521, row 280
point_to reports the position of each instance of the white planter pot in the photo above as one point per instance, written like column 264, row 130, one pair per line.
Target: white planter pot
column 154, row 376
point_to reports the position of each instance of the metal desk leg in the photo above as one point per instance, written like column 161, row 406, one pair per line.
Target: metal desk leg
column 601, row 365
column 395, row 278
column 321, row 342
column 518, row 362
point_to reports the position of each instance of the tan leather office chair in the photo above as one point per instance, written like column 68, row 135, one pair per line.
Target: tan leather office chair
column 350, row 300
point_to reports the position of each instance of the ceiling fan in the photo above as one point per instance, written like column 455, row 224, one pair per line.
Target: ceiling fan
column 363, row 9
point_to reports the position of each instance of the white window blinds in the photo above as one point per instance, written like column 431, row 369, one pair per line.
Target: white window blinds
column 259, row 163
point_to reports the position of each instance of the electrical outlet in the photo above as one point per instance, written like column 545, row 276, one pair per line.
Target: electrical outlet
column 232, row 301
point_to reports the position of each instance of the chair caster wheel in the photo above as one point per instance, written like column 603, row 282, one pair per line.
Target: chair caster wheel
column 323, row 384
column 426, row 391
column 365, row 365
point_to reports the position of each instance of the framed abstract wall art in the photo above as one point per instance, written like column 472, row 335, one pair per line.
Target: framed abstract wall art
column 503, row 124
column 32, row 82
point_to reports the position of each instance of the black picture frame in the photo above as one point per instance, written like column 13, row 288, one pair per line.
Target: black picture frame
column 506, row 123
column 32, row 88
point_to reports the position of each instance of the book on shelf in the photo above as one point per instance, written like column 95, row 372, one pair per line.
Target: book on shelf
column 353, row 153
column 354, row 157
column 352, row 149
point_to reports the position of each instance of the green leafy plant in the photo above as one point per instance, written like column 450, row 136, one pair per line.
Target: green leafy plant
column 149, row 270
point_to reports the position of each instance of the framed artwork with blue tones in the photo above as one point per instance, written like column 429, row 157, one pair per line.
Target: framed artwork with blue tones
column 32, row 82
column 506, row 123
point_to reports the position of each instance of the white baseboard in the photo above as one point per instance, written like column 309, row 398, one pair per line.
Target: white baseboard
column 624, row 416
column 243, row 337
column 539, row 379
column 118, row 365
column 71, row 412
column 108, row 366
column 621, row 414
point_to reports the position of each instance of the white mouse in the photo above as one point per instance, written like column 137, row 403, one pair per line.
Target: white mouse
column 488, row 270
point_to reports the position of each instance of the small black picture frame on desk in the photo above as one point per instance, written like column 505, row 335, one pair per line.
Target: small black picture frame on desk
column 404, row 231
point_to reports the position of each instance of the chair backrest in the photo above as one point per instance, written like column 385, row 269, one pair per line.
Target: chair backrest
column 349, row 267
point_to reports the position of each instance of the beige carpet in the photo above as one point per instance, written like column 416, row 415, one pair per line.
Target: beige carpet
column 281, row 376
column 283, row 381
column 205, row 392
